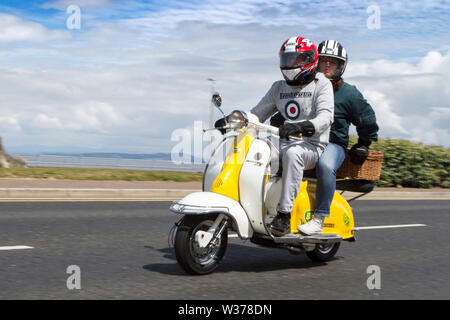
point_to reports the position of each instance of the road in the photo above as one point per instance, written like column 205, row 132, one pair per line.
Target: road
column 122, row 252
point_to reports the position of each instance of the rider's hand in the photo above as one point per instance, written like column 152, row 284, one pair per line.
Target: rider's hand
column 306, row 128
column 359, row 152
column 277, row 120
column 288, row 129
column 219, row 124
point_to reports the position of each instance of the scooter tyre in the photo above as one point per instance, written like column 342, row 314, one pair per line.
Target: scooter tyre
column 320, row 254
column 184, row 242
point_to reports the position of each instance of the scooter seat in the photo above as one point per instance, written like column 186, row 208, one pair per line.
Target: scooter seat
column 352, row 185
column 363, row 186
column 310, row 173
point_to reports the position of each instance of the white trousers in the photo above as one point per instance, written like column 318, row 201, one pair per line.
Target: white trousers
column 296, row 156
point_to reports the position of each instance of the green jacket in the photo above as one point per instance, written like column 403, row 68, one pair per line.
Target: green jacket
column 351, row 107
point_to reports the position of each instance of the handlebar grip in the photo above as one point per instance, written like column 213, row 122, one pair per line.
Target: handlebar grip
column 271, row 129
column 275, row 131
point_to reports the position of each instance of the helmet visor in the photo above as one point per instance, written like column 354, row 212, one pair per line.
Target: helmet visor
column 292, row 60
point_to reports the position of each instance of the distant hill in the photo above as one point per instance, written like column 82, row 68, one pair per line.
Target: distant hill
column 112, row 155
column 8, row 161
column 161, row 156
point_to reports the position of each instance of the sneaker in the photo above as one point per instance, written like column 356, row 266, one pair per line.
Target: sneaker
column 281, row 224
column 315, row 225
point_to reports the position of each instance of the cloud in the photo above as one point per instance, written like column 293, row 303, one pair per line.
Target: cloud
column 137, row 71
column 141, row 106
column 91, row 117
column 95, row 116
column 10, row 123
column 43, row 121
column 392, row 123
column 64, row 4
column 411, row 100
column 14, row 29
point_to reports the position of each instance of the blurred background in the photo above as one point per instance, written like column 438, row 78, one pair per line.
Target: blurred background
column 109, row 76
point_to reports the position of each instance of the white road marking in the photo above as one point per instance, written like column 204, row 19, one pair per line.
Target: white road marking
column 16, row 248
column 233, row 235
column 390, row 226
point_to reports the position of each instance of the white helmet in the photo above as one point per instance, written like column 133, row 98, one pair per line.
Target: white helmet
column 333, row 49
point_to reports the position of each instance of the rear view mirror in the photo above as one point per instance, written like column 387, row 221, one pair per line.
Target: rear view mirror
column 217, row 100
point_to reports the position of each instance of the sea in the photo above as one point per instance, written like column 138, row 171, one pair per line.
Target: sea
column 39, row 160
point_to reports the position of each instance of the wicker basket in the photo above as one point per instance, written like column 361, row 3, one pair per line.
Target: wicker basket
column 369, row 170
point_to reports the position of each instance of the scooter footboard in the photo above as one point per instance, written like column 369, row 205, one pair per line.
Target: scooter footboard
column 210, row 202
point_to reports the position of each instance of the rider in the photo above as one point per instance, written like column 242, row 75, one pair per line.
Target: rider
column 305, row 99
column 349, row 107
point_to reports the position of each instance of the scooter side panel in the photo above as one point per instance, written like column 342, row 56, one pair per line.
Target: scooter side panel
column 251, row 181
column 303, row 205
column 339, row 222
column 272, row 197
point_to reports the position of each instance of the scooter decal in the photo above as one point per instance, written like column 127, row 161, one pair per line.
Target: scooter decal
column 308, row 215
column 346, row 219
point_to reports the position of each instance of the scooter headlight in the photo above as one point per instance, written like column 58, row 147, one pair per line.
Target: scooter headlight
column 237, row 119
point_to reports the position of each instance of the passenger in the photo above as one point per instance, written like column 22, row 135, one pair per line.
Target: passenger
column 349, row 107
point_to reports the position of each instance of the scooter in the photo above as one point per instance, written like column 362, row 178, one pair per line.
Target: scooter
column 241, row 189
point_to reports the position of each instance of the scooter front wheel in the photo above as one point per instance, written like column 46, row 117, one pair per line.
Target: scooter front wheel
column 191, row 257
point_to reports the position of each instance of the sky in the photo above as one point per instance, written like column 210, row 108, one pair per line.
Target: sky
column 135, row 72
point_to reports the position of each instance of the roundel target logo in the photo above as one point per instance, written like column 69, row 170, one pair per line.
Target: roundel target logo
column 292, row 110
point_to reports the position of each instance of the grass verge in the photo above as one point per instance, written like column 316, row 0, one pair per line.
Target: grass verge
column 99, row 174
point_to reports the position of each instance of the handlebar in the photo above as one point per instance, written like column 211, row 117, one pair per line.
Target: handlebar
column 273, row 130
column 260, row 126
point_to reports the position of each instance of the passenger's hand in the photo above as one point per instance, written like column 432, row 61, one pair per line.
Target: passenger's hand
column 358, row 153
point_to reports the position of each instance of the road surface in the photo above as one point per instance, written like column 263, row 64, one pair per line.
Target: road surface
column 121, row 252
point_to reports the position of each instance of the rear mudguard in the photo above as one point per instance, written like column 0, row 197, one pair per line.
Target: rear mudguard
column 210, row 202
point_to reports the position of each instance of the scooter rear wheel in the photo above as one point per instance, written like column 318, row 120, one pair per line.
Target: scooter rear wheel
column 193, row 259
column 323, row 252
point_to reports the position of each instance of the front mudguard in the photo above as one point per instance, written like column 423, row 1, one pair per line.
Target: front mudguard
column 210, row 202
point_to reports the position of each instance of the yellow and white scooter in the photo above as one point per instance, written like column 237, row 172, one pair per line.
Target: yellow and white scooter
column 241, row 190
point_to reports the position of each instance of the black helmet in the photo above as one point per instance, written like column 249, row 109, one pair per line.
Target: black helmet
column 333, row 49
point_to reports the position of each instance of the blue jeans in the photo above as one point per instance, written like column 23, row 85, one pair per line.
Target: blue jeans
column 329, row 162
